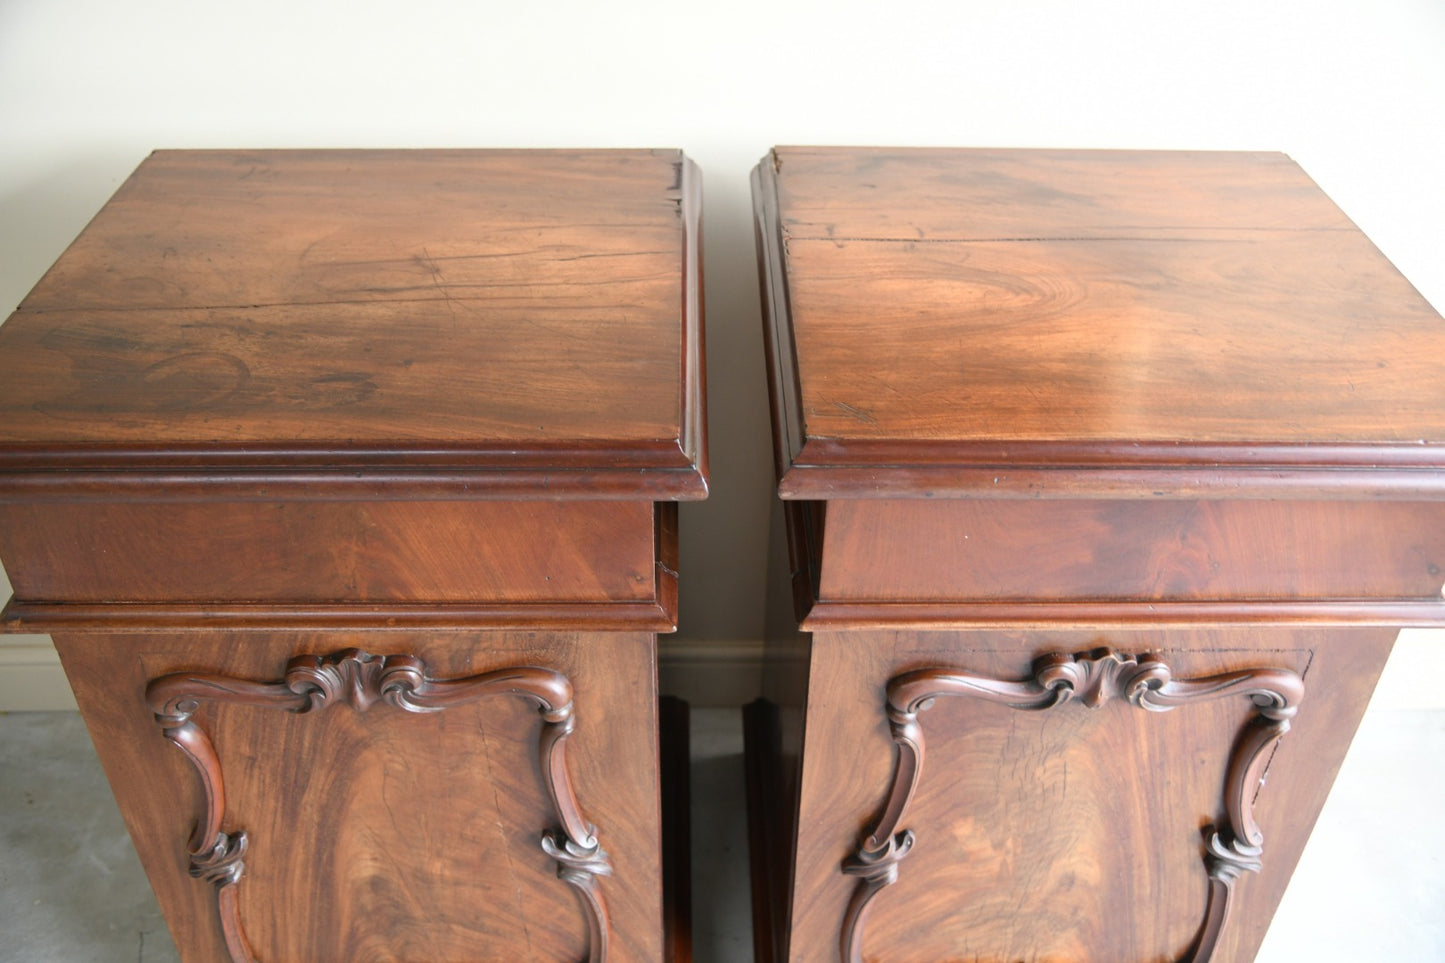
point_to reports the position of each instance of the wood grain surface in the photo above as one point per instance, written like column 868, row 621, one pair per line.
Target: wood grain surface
column 475, row 310
column 1073, row 834
column 344, row 482
column 1074, row 549
column 1234, row 845
column 1033, row 405
column 404, row 836
column 907, row 194
column 317, row 551
column 1187, row 313
column 131, row 607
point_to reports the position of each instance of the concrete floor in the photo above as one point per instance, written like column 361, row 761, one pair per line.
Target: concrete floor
column 1370, row 887
column 71, row 887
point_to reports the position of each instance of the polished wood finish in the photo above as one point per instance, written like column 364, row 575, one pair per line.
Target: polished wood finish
column 350, row 475
column 1069, row 834
column 362, row 680
column 1057, row 341
column 473, row 311
column 1161, row 549
column 1072, row 309
column 657, row 611
column 503, row 551
column 405, row 836
column 1076, row 432
column 1092, row 679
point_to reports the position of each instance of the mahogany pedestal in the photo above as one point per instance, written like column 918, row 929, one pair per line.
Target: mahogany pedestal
column 1109, row 479
column 344, row 482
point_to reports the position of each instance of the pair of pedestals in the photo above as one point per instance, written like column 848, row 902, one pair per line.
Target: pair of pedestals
column 344, row 482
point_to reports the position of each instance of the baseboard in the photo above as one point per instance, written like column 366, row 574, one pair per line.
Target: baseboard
column 711, row 674
column 31, row 679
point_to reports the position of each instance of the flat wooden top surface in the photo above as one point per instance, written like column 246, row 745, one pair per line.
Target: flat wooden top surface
column 948, row 308
column 477, row 309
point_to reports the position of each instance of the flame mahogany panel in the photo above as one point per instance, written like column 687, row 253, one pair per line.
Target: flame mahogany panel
column 408, row 836
column 319, row 551
column 1234, row 846
column 1066, row 834
column 920, row 550
column 362, row 680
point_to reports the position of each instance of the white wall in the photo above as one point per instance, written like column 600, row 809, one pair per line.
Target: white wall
column 1355, row 91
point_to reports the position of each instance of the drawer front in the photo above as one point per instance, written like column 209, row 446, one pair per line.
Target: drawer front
column 957, row 549
column 318, row 551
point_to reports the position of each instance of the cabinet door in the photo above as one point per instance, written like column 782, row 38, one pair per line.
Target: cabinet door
column 1038, row 796
column 454, row 796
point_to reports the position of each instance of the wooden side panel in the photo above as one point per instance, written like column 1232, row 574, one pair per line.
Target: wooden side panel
column 384, row 834
column 773, row 734
column 920, row 550
column 1072, row 833
column 500, row 551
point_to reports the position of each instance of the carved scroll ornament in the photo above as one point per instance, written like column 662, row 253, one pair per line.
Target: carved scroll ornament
column 1092, row 679
column 361, row 680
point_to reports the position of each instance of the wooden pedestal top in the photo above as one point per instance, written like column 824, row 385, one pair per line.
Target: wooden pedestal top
column 1026, row 323
column 523, row 322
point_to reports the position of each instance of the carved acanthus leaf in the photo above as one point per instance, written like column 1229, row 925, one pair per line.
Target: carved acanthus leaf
column 222, row 864
column 1229, row 857
column 1101, row 676
column 358, row 678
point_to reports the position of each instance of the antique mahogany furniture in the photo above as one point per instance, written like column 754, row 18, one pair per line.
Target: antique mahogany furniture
column 1109, row 478
column 345, row 482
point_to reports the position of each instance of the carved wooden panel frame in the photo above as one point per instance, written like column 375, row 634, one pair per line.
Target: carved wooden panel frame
column 1093, row 679
column 361, row 680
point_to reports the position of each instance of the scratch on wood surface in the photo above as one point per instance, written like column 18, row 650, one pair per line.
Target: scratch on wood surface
column 439, row 283
column 861, row 414
column 588, row 257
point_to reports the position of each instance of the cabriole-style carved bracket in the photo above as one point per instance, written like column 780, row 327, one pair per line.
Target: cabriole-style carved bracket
column 1093, row 679
column 361, row 680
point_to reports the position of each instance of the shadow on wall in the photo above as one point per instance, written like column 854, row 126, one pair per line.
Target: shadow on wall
column 39, row 219
column 724, row 539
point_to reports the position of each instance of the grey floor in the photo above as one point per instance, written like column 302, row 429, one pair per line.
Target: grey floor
column 1371, row 886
